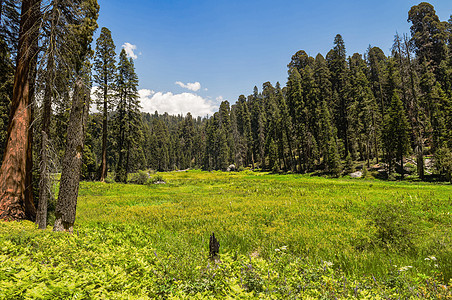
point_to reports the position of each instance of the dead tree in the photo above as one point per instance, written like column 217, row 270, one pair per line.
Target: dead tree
column 214, row 247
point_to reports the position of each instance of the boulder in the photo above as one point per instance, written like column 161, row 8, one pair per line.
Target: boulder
column 357, row 174
column 231, row 168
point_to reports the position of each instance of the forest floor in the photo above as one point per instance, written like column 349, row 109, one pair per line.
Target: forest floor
column 281, row 237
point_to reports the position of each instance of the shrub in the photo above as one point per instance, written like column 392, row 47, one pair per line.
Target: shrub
column 155, row 179
column 141, row 177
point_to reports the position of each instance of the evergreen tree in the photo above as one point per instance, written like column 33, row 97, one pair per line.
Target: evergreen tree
column 72, row 161
column 428, row 34
column 337, row 64
column 395, row 133
column 127, row 118
column 104, row 67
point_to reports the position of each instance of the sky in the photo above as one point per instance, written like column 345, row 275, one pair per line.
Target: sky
column 191, row 55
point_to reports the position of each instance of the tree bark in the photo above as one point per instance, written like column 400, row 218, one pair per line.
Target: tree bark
column 72, row 161
column 44, row 180
column 14, row 204
column 44, row 186
column 103, row 169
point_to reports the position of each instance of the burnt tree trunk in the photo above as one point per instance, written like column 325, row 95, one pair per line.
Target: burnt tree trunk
column 72, row 161
column 214, row 247
column 14, row 202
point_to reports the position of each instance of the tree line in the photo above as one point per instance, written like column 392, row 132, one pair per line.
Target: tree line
column 334, row 111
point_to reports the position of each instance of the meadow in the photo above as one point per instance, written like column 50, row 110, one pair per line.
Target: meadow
column 281, row 237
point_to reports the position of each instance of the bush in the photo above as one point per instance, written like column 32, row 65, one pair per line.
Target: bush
column 156, row 179
column 141, row 177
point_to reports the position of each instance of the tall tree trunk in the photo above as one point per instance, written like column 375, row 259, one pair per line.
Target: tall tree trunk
column 14, row 204
column 72, row 161
column 103, row 168
column 44, row 180
column 44, row 184
column 30, row 210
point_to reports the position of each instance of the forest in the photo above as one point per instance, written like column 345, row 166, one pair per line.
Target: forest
column 336, row 113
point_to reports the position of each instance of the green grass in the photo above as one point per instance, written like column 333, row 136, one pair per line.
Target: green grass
column 281, row 236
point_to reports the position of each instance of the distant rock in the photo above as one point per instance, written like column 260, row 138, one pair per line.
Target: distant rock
column 160, row 182
column 357, row 174
column 231, row 168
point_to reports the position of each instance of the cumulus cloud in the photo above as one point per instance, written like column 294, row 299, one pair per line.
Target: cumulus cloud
column 130, row 50
column 175, row 104
column 219, row 99
column 190, row 86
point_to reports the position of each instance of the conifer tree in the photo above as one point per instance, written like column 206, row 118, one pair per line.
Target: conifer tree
column 128, row 120
column 395, row 133
column 65, row 211
column 428, row 34
column 337, row 64
column 104, row 68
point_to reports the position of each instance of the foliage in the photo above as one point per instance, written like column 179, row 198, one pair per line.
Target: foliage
column 281, row 236
column 141, row 177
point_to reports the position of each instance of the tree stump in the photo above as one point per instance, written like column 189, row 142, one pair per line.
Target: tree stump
column 214, row 247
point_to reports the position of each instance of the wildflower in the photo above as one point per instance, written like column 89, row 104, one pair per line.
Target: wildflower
column 277, row 250
column 284, row 248
column 406, row 268
column 327, row 264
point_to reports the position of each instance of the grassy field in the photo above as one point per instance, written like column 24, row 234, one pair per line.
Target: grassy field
column 281, row 236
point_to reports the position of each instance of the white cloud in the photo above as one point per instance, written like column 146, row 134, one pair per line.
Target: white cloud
column 130, row 50
column 219, row 99
column 93, row 107
column 190, row 86
column 175, row 104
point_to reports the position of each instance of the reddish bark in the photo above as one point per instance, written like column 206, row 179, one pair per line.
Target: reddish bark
column 14, row 204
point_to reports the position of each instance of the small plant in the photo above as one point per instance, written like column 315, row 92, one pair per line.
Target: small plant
column 349, row 164
column 156, row 179
column 141, row 177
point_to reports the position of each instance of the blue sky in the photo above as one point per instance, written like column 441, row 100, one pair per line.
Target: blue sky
column 190, row 55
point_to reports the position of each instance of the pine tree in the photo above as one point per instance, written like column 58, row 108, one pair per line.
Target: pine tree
column 337, row 64
column 104, row 66
column 72, row 161
column 428, row 34
column 295, row 106
column 128, row 120
column 395, row 133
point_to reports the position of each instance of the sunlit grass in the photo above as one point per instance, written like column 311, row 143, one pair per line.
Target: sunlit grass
column 252, row 214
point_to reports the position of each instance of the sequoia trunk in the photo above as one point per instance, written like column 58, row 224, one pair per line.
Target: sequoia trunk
column 14, row 205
